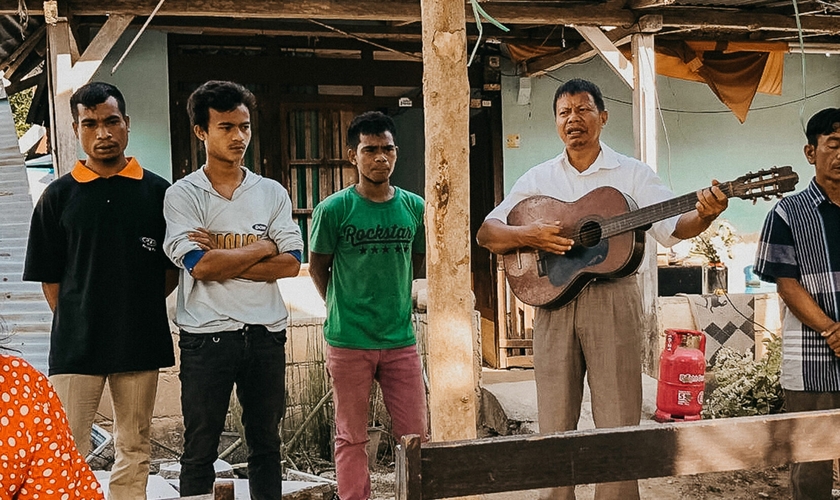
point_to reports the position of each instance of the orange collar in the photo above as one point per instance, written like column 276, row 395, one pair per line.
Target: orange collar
column 81, row 173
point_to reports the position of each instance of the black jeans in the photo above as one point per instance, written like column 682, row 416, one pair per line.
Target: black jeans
column 255, row 360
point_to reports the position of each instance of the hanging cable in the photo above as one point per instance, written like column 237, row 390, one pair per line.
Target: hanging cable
column 478, row 13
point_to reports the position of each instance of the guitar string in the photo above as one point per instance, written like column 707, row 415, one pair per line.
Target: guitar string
column 641, row 217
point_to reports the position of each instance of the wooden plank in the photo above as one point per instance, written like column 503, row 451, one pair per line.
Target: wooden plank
column 514, row 463
column 523, row 361
column 609, row 52
column 582, row 52
column 408, row 481
column 648, row 4
column 99, row 48
column 60, row 68
column 516, row 343
column 368, row 10
column 409, row 11
column 502, row 310
column 20, row 54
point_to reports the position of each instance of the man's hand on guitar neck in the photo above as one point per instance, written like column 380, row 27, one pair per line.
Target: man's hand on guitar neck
column 711, row 202
column 501, row 238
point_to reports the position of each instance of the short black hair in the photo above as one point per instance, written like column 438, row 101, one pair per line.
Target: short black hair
column 576, row 86
column 823, row 122
column 93, row 94
column 369, row 123
column 220, row 95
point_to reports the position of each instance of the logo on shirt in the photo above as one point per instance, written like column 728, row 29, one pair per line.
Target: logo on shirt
column 235, row 240
column 375, row 240
column 259, row 227
column 149, row 244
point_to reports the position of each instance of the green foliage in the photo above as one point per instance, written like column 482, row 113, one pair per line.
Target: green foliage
column 20, row 103
column 744, row 386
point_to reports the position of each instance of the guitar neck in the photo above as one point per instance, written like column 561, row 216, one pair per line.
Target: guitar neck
column 641, row 217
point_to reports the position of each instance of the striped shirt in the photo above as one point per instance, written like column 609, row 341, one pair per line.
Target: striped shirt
column 801, row 240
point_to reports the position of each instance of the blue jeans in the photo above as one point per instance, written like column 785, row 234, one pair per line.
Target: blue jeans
column 255, row 360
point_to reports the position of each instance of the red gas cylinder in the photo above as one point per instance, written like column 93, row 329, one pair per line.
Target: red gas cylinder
column 682, row 376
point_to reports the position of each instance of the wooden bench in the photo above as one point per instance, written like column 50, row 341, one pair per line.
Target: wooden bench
column 525, row 462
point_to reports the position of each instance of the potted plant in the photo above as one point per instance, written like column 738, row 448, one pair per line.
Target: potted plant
column 712, row 244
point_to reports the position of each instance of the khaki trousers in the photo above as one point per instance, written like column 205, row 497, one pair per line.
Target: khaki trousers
column 133, row 400
column 597, row 335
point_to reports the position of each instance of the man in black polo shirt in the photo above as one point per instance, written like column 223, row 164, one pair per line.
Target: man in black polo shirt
column 95, row 245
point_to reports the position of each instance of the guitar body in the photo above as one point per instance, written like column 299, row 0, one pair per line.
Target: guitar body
column 549, row 280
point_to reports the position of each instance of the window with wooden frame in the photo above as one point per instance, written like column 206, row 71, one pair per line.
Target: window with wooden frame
column 317, row 160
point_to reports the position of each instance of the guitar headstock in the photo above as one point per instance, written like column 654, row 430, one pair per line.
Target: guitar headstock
column 763, row 184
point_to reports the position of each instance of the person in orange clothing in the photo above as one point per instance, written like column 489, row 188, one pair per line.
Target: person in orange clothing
column 38, row 457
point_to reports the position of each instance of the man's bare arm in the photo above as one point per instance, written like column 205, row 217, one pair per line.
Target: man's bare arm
column 283, row 265
column 320, row 270
column 51, row 294
column 219, row 264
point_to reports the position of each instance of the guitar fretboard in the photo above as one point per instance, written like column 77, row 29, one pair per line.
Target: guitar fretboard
column 654, row 213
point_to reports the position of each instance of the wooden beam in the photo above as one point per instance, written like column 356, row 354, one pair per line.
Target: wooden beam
column 514, row 463
column 648, row 4
column 368, row 10
column 728, row 20
column 372, row 10
column 540, row 66
column 609, row 52
column 17, row 57
column 99, row 48
column 451, row 342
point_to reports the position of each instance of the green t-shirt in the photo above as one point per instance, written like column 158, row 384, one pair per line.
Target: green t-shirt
column 369, row 293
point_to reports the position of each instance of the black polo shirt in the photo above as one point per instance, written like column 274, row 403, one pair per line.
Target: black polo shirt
column 101, row 240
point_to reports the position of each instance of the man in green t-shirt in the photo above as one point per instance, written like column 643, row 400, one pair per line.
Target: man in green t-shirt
column 368, row 242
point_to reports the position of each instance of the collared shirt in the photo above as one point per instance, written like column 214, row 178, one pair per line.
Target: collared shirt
column 801, row 240
column 101, row 239
column 83, row 174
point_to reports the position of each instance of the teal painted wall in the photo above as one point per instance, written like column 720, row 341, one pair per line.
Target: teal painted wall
column 143, row 78
column 699, row 139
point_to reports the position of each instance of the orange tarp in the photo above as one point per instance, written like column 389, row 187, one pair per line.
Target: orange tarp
column 734, row 71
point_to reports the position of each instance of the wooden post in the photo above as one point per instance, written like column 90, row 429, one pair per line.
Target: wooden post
column 61, row 122
column 644, row 133
column 446, row 94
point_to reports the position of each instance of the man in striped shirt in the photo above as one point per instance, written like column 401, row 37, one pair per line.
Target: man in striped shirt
column 799, row 250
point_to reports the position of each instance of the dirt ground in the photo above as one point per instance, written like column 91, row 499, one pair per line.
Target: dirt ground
column 769, row 484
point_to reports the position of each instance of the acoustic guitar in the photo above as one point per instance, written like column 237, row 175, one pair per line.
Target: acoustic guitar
column 609, row 234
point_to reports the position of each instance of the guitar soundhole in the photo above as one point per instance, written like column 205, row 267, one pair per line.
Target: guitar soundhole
column 590, row 234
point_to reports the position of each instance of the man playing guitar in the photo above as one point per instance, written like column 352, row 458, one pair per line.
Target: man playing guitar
column 599, row 332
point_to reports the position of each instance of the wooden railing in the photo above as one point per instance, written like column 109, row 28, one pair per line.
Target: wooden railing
column 511, row 463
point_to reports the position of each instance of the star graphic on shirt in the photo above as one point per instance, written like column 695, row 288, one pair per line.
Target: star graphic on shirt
column 374, row 250
column 384, row 249
column 398, row 248
column 362, row 250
